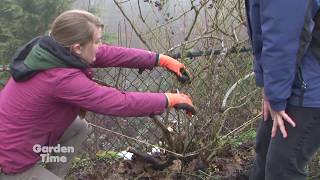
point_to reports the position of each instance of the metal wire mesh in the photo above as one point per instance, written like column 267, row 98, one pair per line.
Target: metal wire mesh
column 211, row 80
column 224, row 100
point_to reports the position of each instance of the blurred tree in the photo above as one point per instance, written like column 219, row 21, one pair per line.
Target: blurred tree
column 21, row 20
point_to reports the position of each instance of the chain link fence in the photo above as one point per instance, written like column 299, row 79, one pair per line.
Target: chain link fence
column 209, row 37
column 220, row 115
column 212, row 78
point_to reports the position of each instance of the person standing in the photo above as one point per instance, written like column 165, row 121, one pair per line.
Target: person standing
column 285, row 37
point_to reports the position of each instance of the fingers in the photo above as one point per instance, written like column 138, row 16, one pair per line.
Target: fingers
column 262, row 110
column 279, row 119
column 190, row 110
column 274, row 128
column 287, row 118
column 181, row 102
column 265, row 107
column 276, row 123
column 281, row 126
column 265, row 110
column 175, row 67
column 183, row 75
column 190, row 114
column 179, row 72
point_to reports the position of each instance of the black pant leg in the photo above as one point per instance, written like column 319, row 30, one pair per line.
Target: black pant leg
column 262, row 144
column 287, row 158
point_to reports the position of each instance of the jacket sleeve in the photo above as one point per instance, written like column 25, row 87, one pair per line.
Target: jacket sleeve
column 113, row 56
column 75, row 88
column 258, row 72
column 281, row 24
column 254, row 31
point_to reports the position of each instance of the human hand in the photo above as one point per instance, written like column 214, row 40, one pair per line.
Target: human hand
column 181, row 101
column 265, row 105
column 176, row 67
column 279, row 119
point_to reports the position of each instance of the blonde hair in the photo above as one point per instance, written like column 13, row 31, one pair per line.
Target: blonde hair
column 74, row 26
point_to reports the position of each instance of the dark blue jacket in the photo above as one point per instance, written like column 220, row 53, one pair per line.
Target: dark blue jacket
column 282, row 33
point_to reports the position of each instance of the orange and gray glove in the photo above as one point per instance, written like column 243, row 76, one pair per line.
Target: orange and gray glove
column 174, row 66
column 181, row 101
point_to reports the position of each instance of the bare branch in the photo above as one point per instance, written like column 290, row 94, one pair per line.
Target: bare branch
column 132, row 25
column 197, row 12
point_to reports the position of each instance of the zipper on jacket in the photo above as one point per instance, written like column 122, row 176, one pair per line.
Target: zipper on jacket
column 303, row 86
column 305, row 39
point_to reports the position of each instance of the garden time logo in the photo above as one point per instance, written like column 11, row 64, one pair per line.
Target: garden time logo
column 46, row 152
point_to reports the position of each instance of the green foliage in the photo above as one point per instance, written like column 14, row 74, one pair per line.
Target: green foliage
column 4, row 76
column 80, row 162
column 21, row 20
column 84, row 162
column 107, row 155
column 245, row 136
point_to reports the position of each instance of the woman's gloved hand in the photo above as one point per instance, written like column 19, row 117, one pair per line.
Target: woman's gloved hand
column 181, row 101
column 174, row 66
